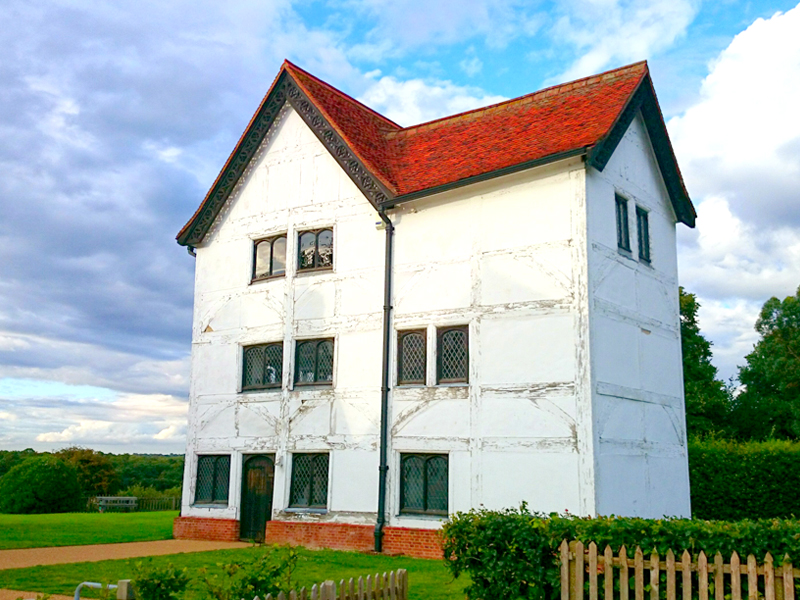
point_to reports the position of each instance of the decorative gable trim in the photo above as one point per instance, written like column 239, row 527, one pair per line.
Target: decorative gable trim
column 644, row 100
column 284, row 90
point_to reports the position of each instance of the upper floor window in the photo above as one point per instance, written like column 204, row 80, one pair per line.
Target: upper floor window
column 262, row 366
column 309, row 487
column 314, row 362
column 270, row 257
column 623, row 231
column 315, row 249
column 411, row 356
column 643, row 229
column 423, row 483
column 213, row 476
column 452, row 353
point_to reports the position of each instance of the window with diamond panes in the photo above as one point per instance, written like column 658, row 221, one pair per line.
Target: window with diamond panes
column 452, row 355
column 309, row 481
column 270, row 257
column 314, row 362
column 423, row 483
column 623, row 231
column 315, row 250
column 643, row 230
column 262, row 367
column 213, row 475
column 411, row 356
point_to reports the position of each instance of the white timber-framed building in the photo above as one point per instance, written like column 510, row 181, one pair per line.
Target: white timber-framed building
column 393, row 324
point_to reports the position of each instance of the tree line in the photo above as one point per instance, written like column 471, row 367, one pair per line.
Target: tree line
column 765, row 402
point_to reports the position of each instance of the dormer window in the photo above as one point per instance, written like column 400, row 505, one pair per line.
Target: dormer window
column 270, row 257
column 315, row 250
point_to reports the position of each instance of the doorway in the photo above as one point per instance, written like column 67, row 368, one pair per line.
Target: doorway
column 258, row 477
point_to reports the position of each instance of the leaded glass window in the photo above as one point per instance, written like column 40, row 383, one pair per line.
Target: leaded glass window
column 262, row 366
column 411, row 356
column 623, row 232
column 314, row 362
column 315, row 250
column 213, row 476
column 270, row 257
column 309, row 487
column 453, row 354
column 643, row 230
column 423, row 483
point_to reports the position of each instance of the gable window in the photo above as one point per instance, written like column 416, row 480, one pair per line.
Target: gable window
column 423, row 484
column 213, row 475
column 309, row 487
column 643, row 229
column 623, row 231
column 411, row 356
column 315, row 250
column 270, row 257
column 452, row 354
column 314, row 362
column 262, row 367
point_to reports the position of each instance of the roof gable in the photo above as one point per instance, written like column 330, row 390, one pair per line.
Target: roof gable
column 391, row 164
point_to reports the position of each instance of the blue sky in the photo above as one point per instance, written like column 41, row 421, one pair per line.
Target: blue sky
column 116, row 118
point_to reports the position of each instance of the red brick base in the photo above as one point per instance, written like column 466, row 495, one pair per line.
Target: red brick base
column 199, row 528
column 419, row 543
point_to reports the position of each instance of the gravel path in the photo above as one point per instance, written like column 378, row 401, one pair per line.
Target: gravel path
column 31, row 557
column 14, row 594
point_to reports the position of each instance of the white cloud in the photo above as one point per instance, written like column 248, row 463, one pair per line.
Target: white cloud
column 610, row 32
column 471, row 66
column 415, row 100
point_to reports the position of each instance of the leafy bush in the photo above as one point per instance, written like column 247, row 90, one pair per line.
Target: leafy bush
column 268, row 572
column 41, row 484
column 737, row 480
column 513, row 553
column 140, row 491
column 152, row 582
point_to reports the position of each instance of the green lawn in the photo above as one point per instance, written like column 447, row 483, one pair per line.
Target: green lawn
column 74, row 529
column 427, row 579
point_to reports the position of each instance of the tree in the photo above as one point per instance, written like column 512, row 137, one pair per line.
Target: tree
column 707, row 399
column 769, row 406
column 42, row 484
column 96, row 473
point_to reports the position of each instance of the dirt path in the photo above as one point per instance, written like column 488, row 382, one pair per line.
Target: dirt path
column 31, row 557
column 14, row 594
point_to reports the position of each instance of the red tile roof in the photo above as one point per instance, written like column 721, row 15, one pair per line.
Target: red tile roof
column 588, row 115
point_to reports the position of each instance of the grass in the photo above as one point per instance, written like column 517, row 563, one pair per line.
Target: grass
column 428, row 579
column 77, row 529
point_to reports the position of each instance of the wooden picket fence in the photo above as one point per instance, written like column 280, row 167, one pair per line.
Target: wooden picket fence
column 697, row 580
column 389, row 586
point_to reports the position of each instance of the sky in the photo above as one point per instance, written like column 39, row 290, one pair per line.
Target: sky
column 115, row 118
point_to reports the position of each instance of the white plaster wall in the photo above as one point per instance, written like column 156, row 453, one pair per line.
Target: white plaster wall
column 637, row 385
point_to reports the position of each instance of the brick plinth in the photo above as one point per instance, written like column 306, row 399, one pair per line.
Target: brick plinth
column 199, row 528
column 419, row 543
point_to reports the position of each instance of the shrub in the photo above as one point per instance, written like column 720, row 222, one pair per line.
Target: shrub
column 268, row 572
column 41, row 484
column 158, row 582
column 514, row 553
column 140, row 491
column 736, row 480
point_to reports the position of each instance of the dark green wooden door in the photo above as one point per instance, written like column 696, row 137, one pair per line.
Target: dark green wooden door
column 258, row 477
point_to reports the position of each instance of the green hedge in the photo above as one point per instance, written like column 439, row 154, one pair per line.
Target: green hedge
column 744, row 480
column 513, row 554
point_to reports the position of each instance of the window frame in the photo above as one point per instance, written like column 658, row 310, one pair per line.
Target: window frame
column 643, row 234
column 271, row 386
column 271, row 241
column 316, row 267
column 623, row 224
column 425, row 456
column 440, row 332
column 318, row 341
column 401, row 334
column 215, row 500
column 292, row 482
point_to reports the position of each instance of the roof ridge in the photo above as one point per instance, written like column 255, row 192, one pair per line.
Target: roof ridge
column 342, row 94
column 553, row 90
